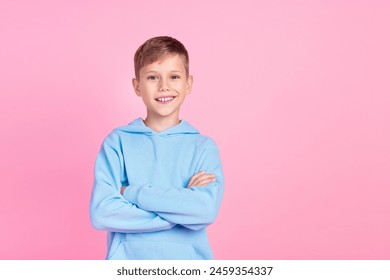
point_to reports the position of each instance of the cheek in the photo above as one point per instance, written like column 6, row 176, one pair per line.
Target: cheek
column 182, row 88
column 147, row 89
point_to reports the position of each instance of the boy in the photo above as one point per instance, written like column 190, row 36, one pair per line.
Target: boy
column 158, row 182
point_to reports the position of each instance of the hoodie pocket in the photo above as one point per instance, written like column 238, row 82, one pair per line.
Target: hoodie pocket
column 154, row 250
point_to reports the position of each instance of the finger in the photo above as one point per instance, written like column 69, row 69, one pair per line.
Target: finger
column 201, row 177
column 195, row 176
column 201, row 184
column 205, row 176
column 204, row 181
column 123, row 188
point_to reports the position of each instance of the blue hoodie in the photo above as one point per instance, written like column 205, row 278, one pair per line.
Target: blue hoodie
column 157, row 217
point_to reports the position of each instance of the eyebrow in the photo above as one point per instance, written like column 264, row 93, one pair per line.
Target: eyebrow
column 171, row 71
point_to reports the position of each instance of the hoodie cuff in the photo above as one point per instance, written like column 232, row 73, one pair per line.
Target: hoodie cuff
column 131, row 194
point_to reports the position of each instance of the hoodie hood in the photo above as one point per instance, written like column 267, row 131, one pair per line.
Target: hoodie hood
column 138, row 126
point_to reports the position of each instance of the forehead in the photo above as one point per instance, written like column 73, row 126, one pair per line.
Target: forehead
column 169, row 62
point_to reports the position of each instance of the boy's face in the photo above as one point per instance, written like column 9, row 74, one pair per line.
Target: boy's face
column 163, row 86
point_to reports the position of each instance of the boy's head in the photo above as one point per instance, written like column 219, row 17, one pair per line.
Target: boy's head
column 162, row 78
column 157, row 48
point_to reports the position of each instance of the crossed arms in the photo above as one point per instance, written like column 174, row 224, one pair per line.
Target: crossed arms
column 146, row 208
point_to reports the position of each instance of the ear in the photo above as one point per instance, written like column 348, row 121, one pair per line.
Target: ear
column 136, row 86
column 190, row 79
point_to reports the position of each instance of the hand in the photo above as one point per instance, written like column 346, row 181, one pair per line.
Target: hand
column 123, row 189
column 201, row 179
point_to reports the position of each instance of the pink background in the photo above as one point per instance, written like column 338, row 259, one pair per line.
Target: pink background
column 295, row 93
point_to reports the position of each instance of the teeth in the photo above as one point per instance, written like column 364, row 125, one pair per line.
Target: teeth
column 165, row 99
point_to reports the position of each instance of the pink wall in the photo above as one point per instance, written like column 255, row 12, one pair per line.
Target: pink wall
column 295, row 93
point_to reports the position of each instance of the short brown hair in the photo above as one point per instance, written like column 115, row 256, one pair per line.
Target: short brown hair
column 156, row 48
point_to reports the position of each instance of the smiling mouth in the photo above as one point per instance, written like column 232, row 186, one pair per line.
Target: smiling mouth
column 165, row 99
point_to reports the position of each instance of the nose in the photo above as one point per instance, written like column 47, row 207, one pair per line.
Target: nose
column 163, row 85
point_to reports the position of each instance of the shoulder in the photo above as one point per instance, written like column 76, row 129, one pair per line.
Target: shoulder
column 112, row 139
column 205, row 142
column 115, row 136
column 119, row 132
column 201, row 139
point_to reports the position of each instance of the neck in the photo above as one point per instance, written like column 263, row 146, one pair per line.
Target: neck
column 160, row 124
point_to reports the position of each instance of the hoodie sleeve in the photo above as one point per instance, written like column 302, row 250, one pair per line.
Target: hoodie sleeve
column 194, row 207
column 108, row 209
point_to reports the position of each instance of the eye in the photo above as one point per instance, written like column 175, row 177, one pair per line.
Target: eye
column 151, row 77
column 174, row 77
